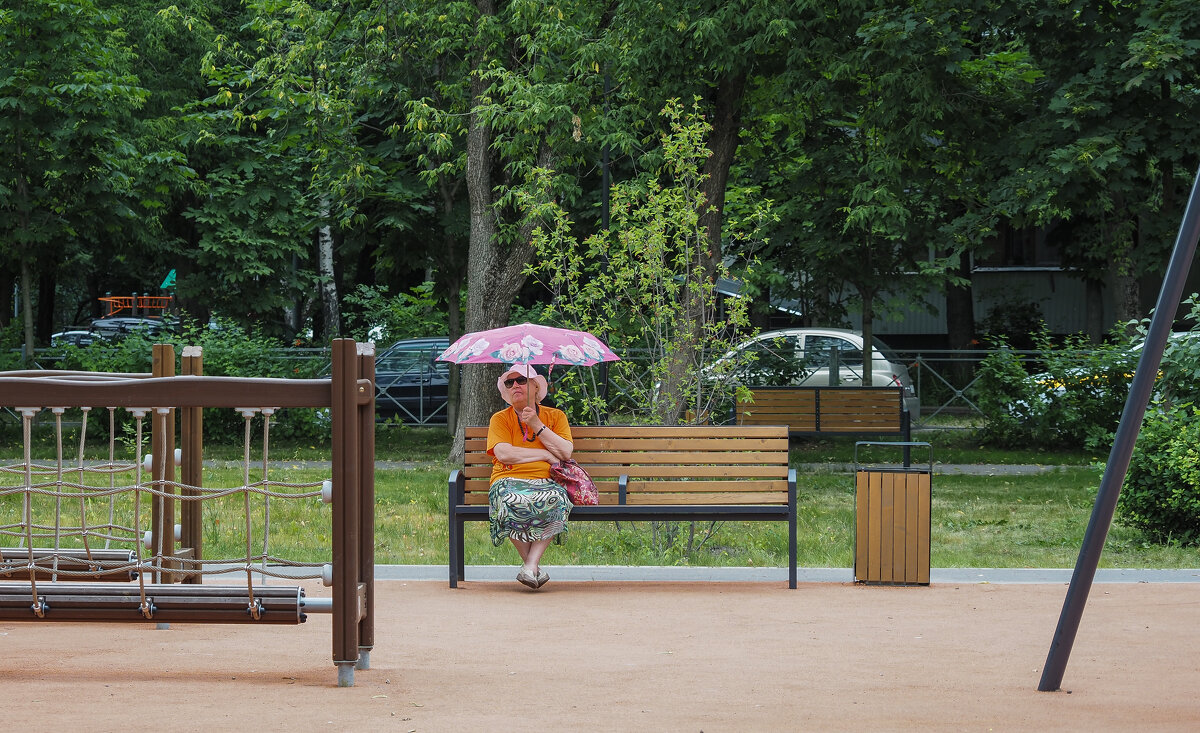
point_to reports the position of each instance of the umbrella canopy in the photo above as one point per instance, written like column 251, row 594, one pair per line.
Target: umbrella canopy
column 528, row 343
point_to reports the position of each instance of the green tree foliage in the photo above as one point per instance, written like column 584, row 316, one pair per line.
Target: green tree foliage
column 884, row 182
column 298, row 126
column 634, row 285
column 416, row 313
column 720, row 54
column 1103, row 152
column 67, row 95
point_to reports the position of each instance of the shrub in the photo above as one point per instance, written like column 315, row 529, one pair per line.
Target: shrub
column 229, row 351
column 1161, row 495
column 1006, row 396
column 1075, row 401
column 1179, row 371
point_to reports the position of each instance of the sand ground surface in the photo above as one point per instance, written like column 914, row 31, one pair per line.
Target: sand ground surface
column 622, row 656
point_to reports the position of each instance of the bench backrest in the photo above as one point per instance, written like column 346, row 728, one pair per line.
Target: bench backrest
column 825, row 409
column 666, row 464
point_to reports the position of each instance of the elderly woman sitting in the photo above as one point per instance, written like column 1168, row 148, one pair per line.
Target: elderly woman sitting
column 524, row 440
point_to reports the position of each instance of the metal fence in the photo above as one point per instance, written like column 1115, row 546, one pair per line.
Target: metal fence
column 943, row 380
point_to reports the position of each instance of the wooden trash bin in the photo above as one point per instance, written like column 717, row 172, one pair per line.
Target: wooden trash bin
column 892, row 518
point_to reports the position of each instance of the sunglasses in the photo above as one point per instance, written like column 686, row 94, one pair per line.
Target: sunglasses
column 515, row 380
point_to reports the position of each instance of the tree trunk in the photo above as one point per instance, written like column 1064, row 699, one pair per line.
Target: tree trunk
column 868, row 334
column 1094, row 309
column 44, row 322
column 1125, row 293
column 27, row 308
column 330, row 310
column 722, row 145
column 960, row 320
column 450, row 274
column 8, row 285
column 960, row 308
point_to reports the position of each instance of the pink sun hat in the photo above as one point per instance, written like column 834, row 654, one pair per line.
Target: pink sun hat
column 523, row 370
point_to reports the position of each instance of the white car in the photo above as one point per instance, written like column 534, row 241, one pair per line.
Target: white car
column 803, row 356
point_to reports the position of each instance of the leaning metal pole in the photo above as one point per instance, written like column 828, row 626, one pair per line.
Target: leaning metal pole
column 1122, row 450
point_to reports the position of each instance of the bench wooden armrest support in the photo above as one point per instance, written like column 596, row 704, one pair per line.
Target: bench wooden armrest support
column 674, row 473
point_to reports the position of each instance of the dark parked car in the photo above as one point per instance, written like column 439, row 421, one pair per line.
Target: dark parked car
column 116, row 328
column 409, row 384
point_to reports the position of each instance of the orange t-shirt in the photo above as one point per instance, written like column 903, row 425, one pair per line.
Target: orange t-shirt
column 505, row 428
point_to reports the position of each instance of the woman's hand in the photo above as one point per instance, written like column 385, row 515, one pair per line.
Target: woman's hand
column 529, row 416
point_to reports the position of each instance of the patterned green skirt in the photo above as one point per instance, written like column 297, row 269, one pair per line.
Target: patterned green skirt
column 527, row 509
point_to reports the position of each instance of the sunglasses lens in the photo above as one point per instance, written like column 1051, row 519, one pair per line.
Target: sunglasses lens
column 515, row 380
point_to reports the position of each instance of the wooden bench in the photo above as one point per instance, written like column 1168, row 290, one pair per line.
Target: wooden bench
column 820, row 410
column 643, row 472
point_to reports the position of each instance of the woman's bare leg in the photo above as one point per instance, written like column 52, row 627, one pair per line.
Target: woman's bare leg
column 522, row 550
column 533, row 557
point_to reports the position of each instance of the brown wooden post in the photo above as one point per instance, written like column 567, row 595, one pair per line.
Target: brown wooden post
column 346, row 495
column 191, row 470
column 366, row 523
column 162, row 433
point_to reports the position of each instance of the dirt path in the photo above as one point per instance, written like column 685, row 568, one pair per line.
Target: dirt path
column 604, row 656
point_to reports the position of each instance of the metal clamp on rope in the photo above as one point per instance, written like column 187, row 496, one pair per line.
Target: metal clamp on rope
column 39, row 607
column 255, row 610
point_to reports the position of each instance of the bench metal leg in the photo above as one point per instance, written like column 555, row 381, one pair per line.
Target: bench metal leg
column 460, row 551
column 457, row 563
column 792, row 528
column 791, row 552
column 453, row 527
column 452, row 565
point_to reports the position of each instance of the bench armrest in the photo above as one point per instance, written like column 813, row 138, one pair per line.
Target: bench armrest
column 457, row 487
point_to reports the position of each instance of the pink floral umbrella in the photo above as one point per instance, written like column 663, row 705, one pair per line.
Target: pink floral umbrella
column 528, row 343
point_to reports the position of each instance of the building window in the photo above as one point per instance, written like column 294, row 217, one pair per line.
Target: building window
column 1019, row 248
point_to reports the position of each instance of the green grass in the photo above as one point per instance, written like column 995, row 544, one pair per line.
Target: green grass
column 978, row 521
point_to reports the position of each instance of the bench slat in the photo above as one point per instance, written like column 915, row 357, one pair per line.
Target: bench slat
column 690, row 484
column 605, row 473
column 686, row 457
column 649, row 431
column 481, row 498
column 586, row 444
column 715, row 498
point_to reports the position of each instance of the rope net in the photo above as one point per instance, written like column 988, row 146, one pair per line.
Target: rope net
column 86, row 518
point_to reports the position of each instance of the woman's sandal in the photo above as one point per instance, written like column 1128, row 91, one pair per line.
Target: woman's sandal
column 542, row 577
column 527, row 580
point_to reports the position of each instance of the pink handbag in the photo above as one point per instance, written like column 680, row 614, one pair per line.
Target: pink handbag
column 580, row 487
